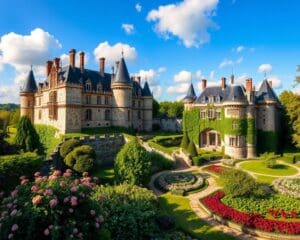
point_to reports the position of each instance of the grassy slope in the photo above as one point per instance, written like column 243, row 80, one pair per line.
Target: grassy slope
column 179, row 209
column 105, row 174
column 259, row 167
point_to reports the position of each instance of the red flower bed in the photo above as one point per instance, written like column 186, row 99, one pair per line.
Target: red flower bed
column 215, row 168
column 252, row 220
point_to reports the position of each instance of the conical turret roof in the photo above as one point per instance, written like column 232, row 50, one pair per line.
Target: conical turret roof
column 190, row 95
column 122, row 75
column 146, row 90
column 29, row 84
column 265, row 92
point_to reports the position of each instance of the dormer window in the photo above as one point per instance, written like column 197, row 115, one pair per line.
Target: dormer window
column 203, row 100
column 211, row 99
column 99, row 87
column 218, row 98
column 88, row 86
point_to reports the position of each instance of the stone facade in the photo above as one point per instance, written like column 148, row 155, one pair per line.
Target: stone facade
column 230, row 102
column 73, row 98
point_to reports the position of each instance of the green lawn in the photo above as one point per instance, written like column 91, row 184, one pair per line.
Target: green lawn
column 156, row 143
column 178, row 208
column 264, row 179
column 259, row 167
column 105, row 174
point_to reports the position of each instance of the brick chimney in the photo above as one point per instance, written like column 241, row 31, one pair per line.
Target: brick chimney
column 232, row 79
column 203, row 84
column 57, row 63
column 81, row 61
column 102, row 66
column 72, row 54
column 249, row 86
column 270, row 83
column 223, row 82
column 48, row 67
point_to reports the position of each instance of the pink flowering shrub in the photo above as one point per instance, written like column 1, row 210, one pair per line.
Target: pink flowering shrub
column 54, row 207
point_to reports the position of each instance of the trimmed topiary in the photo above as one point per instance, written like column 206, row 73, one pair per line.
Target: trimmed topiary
column 192, row 149
column 68, row 147
column 27, row 137
column 81, row 159
column 133, row 164
column 185, row 141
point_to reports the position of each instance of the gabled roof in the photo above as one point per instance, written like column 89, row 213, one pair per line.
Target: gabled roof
column 266, row 92
column 146, row 90
column 29, row 84
column 190, row 95
column 122, row 75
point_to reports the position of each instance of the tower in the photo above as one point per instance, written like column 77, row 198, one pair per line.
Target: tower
column 121, row 87
column 27, row 96
column 148, row 103
column 191, row 96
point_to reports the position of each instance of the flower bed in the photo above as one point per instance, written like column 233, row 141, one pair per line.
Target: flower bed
column 251, row 220
column 215, row 169
column 288, row 186
column 179, row 182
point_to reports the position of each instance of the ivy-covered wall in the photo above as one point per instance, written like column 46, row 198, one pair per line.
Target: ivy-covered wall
column 193, row 125
column 267, row 141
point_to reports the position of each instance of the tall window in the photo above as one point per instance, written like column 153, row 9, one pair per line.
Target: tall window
column 107, row 115
column 106, row 100
column 210, row 113
column 40, row 114
column 139, row 104
column 99, row 100
column 128, row 115
column 88, row 87
column 99, row 87
column 88, row 99
column 139, row 115
column 235, row 124
column 52, row 105
column 218, row 114
column 88, row 115
column 203, row 114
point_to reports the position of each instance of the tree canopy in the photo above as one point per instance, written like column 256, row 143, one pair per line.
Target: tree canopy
column 171, row 109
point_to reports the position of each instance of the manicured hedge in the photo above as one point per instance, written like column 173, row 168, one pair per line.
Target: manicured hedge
column 68, row 147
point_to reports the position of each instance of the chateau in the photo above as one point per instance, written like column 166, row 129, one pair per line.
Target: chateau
column 72, row 98
column 232, row 118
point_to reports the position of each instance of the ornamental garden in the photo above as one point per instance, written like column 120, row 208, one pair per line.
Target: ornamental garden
column 160, row 186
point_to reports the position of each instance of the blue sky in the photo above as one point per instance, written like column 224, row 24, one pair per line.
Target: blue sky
column 167, row 42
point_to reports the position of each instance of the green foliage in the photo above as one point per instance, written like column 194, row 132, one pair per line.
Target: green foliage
column 26, row 136
column 131, row 211
column 52, row 208
column 6, row 148
column 159, row 162
column 267, row 141
column 9, row 107
column 185, row 141
column 192, row 149
column 155, row 108
column 47, row 137
column 171, row 109
column 107, row 130
column 166, row 144
column 14, row 166
column 132, row 164
column 262, row 205
column 81, row 159
column 291, row 117
column 239, row 183
column 269, row 159
column 68, row 147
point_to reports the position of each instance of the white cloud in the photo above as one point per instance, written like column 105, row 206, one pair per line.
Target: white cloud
column 199, row 75
column 162, row 69
column 188, row 20
column 112, row 53
column 138, row 7
column 212, row 75
column 156, row 90
column 296, row 90
column 239, row 60
column 183, row 76
column 9, row 94
column 265, row 68
column 241, row 79
column 65, row 59
column 225, row 63
column 179, row 88
column 240, row 49
column 276, row 82
column 128, row 28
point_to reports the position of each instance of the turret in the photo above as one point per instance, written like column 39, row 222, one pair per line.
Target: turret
column 122, row 96
column 190, row 96
column 27, row 96
column 148, row 103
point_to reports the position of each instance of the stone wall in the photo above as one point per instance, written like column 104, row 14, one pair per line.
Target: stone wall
column 106, row 147
column 169, row 124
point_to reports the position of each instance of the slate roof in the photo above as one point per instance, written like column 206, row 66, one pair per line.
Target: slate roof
column 266, row 92
column 190, row 95
column 122, row 75
column 29, row 84
column 230, row 93
column 146, row 90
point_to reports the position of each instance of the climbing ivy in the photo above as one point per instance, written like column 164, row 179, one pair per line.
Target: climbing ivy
column 267, row 141
column 193, row 125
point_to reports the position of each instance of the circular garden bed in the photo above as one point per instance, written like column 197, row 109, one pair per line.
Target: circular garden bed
column 179, row 183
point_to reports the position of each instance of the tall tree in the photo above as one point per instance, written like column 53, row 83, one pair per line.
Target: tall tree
column 155, row 108
column 26, row 136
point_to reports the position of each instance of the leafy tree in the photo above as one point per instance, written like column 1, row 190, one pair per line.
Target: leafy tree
column 171, row 109
column 68, row 147
column 133, row 164
column 291, row 123
column 192, row 149
column 81, row 159
column 26, row 136
column 155, row 108
column 185, row 141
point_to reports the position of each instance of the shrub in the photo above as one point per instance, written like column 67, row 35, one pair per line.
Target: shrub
column 288, row 186
column 132, row 211
column 132, row 164
column 68, row 147
column 269, row 159
column 81, row 159
column 159, row 162
column 185, row 141
column 6, row 148
column 58, row 207
column 27, row 137
column 192, row 149
column 239, row 183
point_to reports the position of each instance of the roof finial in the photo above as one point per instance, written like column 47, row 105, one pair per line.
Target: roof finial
column 122, row 53
column 31, row 67
column 265, row 74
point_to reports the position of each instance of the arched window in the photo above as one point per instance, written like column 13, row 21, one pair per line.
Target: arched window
column 107, row 115
column 88, row 115
column 88, row 86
